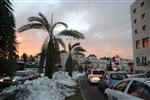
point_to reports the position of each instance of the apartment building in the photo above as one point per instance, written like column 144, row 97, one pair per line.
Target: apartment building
column 140, row 21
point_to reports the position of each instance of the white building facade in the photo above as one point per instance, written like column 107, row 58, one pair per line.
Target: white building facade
column 140, row 21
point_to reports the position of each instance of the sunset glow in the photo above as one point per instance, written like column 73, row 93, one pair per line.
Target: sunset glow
column 106, row 25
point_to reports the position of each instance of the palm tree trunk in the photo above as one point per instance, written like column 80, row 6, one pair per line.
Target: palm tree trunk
column 69, row 66
column 41, row 64
column 49, row 60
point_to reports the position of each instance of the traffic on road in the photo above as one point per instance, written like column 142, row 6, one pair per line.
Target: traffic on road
column 115, row 85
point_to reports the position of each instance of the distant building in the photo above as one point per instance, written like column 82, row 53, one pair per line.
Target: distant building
column 140, row 21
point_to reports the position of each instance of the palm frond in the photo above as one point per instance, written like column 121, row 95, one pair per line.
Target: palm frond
column 60, row 40
column 36, row 19
column 75, row 45
column 63, row 51
column 31, row 26
column 45, row 20
column 72, row 33
column 62, row 23
column 69, row 47
column 45, row 44
column 79, row 49
column 79, row 53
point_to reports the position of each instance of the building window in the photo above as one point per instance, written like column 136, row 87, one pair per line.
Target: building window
column 138, row 45
column 142, row 4
column 135, row 20
column 143, row 16
column 145, row 42
column 135, row 31
column 144, row 27
column 134, row 10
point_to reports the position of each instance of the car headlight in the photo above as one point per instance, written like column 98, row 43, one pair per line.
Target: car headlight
column 115, row 69
column 42, row 74
column 1, row 80
column 14, row 80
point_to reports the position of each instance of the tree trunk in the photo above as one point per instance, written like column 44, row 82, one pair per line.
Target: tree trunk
column 49, row 60
column 69, row 66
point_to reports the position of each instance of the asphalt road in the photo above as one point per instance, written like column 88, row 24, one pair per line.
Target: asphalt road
column 90, row 91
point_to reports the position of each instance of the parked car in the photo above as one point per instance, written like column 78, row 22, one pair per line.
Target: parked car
column 110, row 78
column 21, row 76
column 144, row 75
column 129, row 89
column 94, row 74
column 6, row 81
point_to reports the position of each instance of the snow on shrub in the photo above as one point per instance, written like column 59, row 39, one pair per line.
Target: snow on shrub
column 76, row 75
column 64, row 78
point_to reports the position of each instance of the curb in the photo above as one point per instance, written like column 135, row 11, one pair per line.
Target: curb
column 81, row 89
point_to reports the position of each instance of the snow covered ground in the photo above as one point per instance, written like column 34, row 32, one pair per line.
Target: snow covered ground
column 44, row 88
column 76, row 75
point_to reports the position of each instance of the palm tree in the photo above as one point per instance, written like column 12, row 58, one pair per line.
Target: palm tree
column 74, row 49
column 50, row 51
column 7, row 35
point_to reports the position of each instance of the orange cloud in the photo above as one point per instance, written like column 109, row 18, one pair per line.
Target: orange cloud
column 109, row 51
column 29, row 43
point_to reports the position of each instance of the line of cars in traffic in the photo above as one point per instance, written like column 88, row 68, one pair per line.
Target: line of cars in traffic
column 121, row 85
column 18, row 78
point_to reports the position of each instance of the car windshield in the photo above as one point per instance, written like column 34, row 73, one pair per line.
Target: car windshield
column 98, row 72
column 118, row 76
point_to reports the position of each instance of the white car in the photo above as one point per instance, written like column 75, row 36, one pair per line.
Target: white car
column 25, row 75
column 129, row 89
column 94, row 75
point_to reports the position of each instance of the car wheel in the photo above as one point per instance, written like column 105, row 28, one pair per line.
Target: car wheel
column 105, row 97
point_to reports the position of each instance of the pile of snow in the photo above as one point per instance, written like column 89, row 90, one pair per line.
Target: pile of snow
column 9, row 89
column 64, row 78
column 48, row 89
column 76, row 75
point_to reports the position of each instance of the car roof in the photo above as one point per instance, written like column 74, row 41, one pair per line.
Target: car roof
column 143, row 80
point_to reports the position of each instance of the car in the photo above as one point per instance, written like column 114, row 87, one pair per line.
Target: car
column 94, row 75
column 110, row 78
column 23, row 75
column 144, row 75
column 6, row 81
column 129, row 89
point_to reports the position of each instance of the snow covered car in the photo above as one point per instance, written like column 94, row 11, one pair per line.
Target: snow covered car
column 110, row 78
column 129, row 89
column 94, row 75
column 6, row 81
column 21, row 76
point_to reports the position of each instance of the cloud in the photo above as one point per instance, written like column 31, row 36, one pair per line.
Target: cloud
column 105, row 24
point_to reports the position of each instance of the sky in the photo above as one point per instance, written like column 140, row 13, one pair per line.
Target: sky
column 106, row 24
